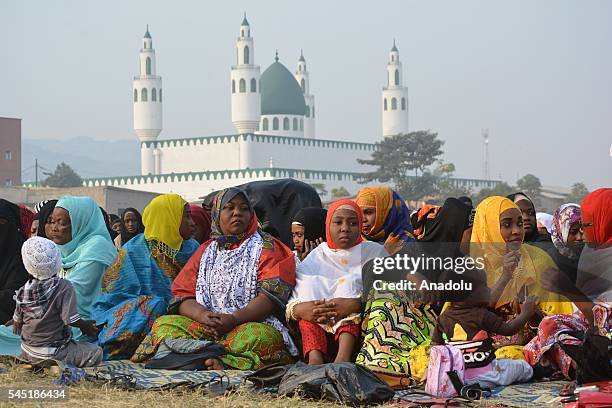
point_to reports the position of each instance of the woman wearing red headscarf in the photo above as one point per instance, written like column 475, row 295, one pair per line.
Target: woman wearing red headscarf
column 326, row 298
column 595, row 265
column 202, row 221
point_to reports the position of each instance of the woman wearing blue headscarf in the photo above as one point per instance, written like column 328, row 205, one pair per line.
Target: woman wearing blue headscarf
column 78, row 228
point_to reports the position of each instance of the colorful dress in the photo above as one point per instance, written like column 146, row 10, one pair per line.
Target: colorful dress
column 136, row 290
column 223, row 276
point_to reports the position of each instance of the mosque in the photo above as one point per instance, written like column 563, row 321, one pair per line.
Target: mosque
column 274, row 114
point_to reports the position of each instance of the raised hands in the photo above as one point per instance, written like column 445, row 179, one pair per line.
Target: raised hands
column 308, row 247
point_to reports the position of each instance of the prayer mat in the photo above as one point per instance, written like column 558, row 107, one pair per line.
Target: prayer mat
column 135, row 376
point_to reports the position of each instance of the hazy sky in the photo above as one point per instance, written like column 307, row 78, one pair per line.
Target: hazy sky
column 536, row 73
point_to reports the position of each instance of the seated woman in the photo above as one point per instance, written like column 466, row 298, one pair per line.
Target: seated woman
column 308, row 230
column 232, row 290
column 78, row 228
column 398, row 324
column 136, row 289
column 326, row 298
column 131, row 225
column 44, row 218
column 530, row 222
column 386, row 218
column 514, row 269
column 568, row 239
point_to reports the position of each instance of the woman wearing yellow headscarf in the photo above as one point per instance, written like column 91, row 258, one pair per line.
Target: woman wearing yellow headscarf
column 514, row 269
column 136, row 289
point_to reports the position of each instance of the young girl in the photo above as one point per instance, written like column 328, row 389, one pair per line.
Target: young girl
column 325, row 300
column 308, row 230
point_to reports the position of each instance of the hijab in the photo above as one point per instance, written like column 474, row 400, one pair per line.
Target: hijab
column 125, row 235
column 202, row 218
column 225, row 241
column 111, row 232
column 597, row 210
column 344, row 204
column 544, row 220
column 313, row 221
column 448, row 225
column 595, row 263
column 90, row 241
column 12, row 272
column 419, row 218
column 563, row 219
column 392, row 214
column 162, row 220
column 43, row 216
column 27, row 217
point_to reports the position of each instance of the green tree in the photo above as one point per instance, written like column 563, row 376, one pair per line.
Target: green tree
column 445, row 186
column 339, row 192
column 530, row 185
column 405, row 159
column 63, row 176
column 579, row 191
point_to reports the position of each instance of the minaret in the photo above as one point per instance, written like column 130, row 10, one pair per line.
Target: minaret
column 246, row 95
column 147, row 97
column 303, row 78
column 394, row 98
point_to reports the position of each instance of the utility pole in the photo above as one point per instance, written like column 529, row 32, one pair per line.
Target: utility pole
column 36, row 172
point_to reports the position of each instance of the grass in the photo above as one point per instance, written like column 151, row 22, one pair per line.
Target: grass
column 92, row 395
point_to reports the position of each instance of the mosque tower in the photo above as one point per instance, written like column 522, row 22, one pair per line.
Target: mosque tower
column 303, row 78
column 394, row 98
column 246, row 95
column 147, row 90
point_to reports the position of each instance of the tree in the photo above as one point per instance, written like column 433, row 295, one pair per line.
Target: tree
column 445, row 185
column 579, row 191
column 405, row 159
column 501, row 189
column 63, row 176
column 530, row 185
column 339, row 192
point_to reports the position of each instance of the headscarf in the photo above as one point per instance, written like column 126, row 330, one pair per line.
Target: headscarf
column 449, row 222
column 39, row 206
column 111, row 232
column 125, row 235
column 202, row 218
column 162, row 220
column 27, row 217
column 337, row 205
column 392, row 215
column 41, row 258
column 597, row 210
column 43, row 216
column 12, row 272
column 488, row 244
column 421, row 216
column 90, row 241
column 313, row 221
column 564, row 218
column 515, row 198
column 219, row 202
column 544, row 220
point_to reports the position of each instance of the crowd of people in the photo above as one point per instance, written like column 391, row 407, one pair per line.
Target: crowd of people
column 83, row 286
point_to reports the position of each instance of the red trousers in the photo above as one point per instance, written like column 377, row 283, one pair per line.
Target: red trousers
column 315, row 338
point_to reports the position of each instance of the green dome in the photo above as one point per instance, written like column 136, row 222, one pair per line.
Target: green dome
column 280, row 92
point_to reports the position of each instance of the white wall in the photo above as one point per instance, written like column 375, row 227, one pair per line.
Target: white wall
column 234, row 153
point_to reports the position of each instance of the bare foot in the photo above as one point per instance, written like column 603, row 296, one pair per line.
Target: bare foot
column 213, row 364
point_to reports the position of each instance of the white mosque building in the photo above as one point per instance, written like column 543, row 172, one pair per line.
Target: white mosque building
column 274, row 117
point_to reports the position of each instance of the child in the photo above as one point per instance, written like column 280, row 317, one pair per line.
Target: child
column 469, row 325
column 326, row 298
column 46, row 308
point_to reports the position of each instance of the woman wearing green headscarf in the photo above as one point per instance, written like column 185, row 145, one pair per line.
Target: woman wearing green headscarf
column 78, row 228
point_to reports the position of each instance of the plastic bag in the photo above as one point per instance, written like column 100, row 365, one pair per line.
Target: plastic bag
column 346, row 383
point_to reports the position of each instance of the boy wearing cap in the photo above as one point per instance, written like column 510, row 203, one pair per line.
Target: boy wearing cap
column 46, row 308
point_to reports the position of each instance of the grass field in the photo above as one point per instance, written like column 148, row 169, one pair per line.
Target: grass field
column 92, row 395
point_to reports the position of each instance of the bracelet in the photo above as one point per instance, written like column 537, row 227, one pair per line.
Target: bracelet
column 292, row 311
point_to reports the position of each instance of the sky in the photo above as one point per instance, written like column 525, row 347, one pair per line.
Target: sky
column 537, row 74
